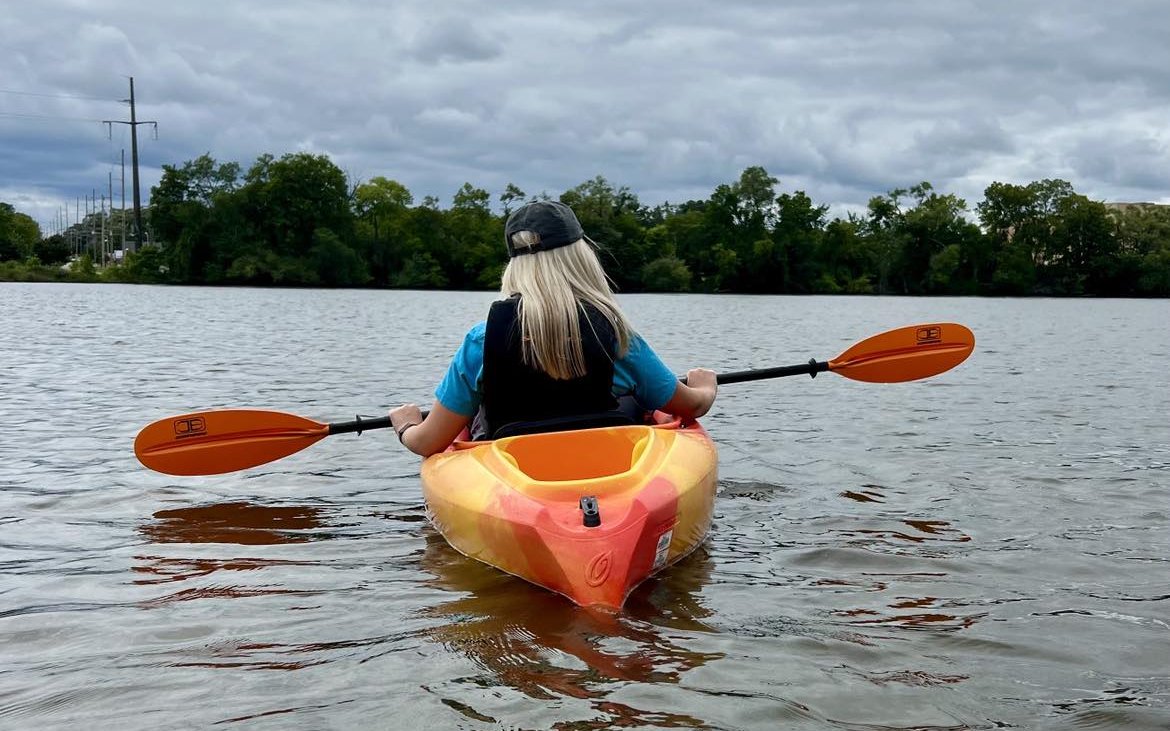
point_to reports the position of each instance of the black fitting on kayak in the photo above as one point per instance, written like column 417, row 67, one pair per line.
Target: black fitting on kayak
column 812, row 367
column 592, row 517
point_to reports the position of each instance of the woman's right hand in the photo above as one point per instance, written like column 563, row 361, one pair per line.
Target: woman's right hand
column 704, row 379
column 694, row 397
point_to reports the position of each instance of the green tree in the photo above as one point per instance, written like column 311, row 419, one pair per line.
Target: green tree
column 191, row 215
column 475, row 238
column 84, row 267
column 53, row 250
column 741, row 216
column 421, row 271
column 1007, row 213
column 147, row 265
column 666, row 274
column 692, row 232
column 511, row 198
column 337, row 264
column 845, row 259
column 755, row 195
column 610, row 217
column 19, row 234
column 936, row 224
column 287, row 200
column 942, row 276
column 1066, row 237
column 268, row 267
column 885, row 234
column 1142, row 240
column 796, row 234
column 726, row 263
column 1080, row 252
column 383, row 225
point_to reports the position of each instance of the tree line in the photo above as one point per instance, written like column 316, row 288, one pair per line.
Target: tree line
column 298, row 221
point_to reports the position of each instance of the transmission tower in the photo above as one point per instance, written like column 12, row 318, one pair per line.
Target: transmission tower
column 134, row 122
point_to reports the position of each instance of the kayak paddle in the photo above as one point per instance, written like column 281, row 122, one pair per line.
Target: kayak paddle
column 226, row 440
column 905, row 354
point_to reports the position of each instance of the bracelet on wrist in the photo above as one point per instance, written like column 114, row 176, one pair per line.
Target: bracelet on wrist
column 402, row 431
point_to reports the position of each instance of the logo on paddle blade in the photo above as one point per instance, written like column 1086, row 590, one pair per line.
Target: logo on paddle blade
column 194, row 426
column 929, row 335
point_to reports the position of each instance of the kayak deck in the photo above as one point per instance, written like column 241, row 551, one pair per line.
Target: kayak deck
column 589, row 513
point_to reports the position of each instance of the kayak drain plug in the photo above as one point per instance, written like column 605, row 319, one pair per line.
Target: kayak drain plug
column 592, row 517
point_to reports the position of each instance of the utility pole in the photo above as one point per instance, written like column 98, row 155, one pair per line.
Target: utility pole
column 122, row 209
column 110, row 228
column 105, row 256
column 133, row 160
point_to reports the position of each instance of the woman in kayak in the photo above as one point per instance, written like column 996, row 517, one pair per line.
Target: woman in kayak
column 556, row 353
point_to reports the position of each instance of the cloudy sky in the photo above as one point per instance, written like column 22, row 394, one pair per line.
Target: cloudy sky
column 841, row 99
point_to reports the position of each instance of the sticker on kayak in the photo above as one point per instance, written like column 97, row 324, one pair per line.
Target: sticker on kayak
column 663, row 549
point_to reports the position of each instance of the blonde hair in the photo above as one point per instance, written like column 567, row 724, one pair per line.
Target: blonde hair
column 554, row 286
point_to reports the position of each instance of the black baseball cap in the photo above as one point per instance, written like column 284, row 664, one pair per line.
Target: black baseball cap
column 554, row 222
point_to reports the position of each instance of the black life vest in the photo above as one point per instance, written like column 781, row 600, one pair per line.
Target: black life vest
column 521, row 399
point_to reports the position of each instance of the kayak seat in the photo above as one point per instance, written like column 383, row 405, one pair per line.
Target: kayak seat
column 589, row 454
column 564, row 423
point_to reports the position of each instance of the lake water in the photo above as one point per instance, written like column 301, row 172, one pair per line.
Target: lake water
column 989, row 548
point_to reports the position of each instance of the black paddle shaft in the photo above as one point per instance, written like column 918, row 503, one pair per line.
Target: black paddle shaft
column 364, row 423
column 812, row 368
column 360, row 425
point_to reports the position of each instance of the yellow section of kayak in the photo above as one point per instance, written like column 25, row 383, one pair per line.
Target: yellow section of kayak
column 515, row 503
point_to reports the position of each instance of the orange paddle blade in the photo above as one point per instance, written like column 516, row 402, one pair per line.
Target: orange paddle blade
column 906, row 354
column 213, row 442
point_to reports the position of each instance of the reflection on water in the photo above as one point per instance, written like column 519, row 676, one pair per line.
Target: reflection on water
column 911, row 620
column 524, row 637
column 925, row 542
column 237, row 522
column 543, row 645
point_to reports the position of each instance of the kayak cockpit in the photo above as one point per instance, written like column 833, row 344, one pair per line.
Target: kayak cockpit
column 576, row 455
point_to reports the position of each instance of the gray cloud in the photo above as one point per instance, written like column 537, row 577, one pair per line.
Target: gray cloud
column 844, row 100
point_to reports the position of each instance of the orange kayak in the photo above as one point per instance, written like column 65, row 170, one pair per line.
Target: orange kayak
column 589, row 514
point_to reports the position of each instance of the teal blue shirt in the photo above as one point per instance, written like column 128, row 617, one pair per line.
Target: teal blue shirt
column 639, row 373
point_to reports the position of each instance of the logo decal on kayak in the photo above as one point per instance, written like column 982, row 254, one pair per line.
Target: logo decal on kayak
column 194, row 426
column 597, row 571
column 929, row 335
column 662, row 550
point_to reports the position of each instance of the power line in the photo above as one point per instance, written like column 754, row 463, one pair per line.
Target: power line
column 56, row 96
column 48, row 116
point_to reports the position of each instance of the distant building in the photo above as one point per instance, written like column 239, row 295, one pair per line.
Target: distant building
column 1141, row 206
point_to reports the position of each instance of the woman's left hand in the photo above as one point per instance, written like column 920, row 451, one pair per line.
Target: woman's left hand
column 434, row 432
